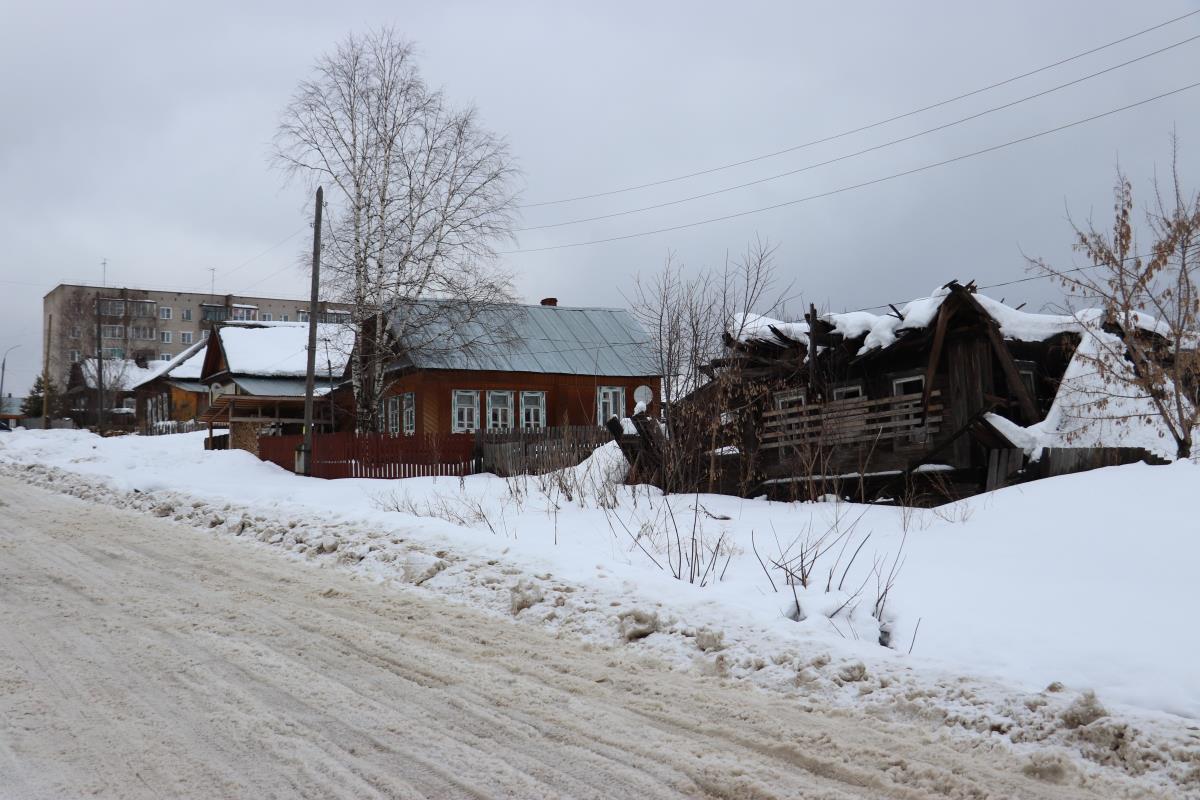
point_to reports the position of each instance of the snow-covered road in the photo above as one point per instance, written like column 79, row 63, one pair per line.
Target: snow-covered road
column 140, row 660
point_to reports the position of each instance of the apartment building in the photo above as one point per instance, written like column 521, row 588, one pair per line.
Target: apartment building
column 146, row 325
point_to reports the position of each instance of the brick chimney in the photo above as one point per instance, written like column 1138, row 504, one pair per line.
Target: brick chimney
column 549, row 301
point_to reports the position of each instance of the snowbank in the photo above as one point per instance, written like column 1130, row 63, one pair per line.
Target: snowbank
column 1082, row 580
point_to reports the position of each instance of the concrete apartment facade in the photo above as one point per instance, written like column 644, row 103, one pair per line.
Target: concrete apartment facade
column 146, row 325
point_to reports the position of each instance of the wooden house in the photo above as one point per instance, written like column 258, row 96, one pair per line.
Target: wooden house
column 865, row 404
column 255, row 375
column 172, row 395
column 514, row 367
column 119, row 377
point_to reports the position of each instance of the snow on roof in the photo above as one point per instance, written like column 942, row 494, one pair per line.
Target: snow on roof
column 751, row 327
column 120, row 375
column 882, row 330
column 1097, row 407
column 186, row 365
column 280, row 349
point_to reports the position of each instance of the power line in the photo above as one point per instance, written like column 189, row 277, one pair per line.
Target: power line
column 862, row 128
column 864, row 151
column 1005, row 283
column 861, row 185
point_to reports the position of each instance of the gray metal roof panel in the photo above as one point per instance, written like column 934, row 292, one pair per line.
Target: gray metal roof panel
column 543, row 339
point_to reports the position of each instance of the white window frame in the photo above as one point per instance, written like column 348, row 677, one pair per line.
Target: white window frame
column 285, row 318
column 112, row 331
column 533, row 402
column 896, row 392
column 75, row 356
column 841, row 392
column 112, row 308
column 185, row 314
column 464, row 400
column 392, row 415
column 611, row 399
column 164, row 337
column 204, row 335
column 164, row 312
column 185, row 337
column 790, row 398
column 243, row 314
column 165, row 356
column 499, row 410
column 408, row 414
column 266, row 317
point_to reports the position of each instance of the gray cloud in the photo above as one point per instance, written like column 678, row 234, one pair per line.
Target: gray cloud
column 137, row 132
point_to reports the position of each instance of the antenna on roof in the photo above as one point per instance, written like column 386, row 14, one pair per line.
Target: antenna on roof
column 104, row 272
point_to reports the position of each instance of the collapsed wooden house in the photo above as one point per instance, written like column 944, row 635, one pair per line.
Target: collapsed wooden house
column 931, row 400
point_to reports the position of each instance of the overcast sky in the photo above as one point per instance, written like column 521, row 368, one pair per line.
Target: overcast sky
column 138, row 133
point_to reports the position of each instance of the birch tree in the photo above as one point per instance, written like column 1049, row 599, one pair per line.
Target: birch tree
column 419, row 196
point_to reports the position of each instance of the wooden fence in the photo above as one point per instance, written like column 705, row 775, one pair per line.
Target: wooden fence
column 853, row 421
column 376, row 455
column 535, row 452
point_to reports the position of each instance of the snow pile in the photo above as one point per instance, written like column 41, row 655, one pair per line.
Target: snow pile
column 881, row 331
column 281, row 349
column 1074, row 583
column 751, row 327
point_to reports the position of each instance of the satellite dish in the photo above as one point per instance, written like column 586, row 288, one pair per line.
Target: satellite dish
column 643, row 394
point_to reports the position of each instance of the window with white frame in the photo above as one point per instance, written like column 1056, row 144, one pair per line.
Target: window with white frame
column 533, row 410
column 142, row 332
column 141, row 308
column 392, row 415
column 610, row 402
column 164, row 312
column 907, row 384
column 204, row 335
column 790, row 398
column 245, row 313
column 408, row 409
column 265, row 317
column 848, row 391
column 76, row 332
column 186, row 315
column 112, row 331
column 465, row 407
column 111, row 308
column 165, row 356
column 499, row 410
column 164, row 337
column 285, row 318
column 75, row 356
column 185, row 337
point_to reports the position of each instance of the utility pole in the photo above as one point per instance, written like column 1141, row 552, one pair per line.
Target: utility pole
column 3, row 365
column 304, row 452
column 46, row 373
column 99, row 373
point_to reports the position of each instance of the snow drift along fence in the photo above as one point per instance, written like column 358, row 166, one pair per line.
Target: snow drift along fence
column 376, row 455
column 536, row 452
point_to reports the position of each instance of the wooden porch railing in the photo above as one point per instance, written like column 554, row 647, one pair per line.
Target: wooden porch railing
column 841, row 422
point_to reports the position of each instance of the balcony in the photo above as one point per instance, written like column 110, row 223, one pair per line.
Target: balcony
column 859, row 421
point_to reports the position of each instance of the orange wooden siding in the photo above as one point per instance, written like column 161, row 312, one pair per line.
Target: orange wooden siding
column 570, row 399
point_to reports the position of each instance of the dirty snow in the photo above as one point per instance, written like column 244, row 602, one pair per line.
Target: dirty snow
column 1079, row 584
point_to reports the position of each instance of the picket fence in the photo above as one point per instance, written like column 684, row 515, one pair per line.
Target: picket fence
column 376, row 455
